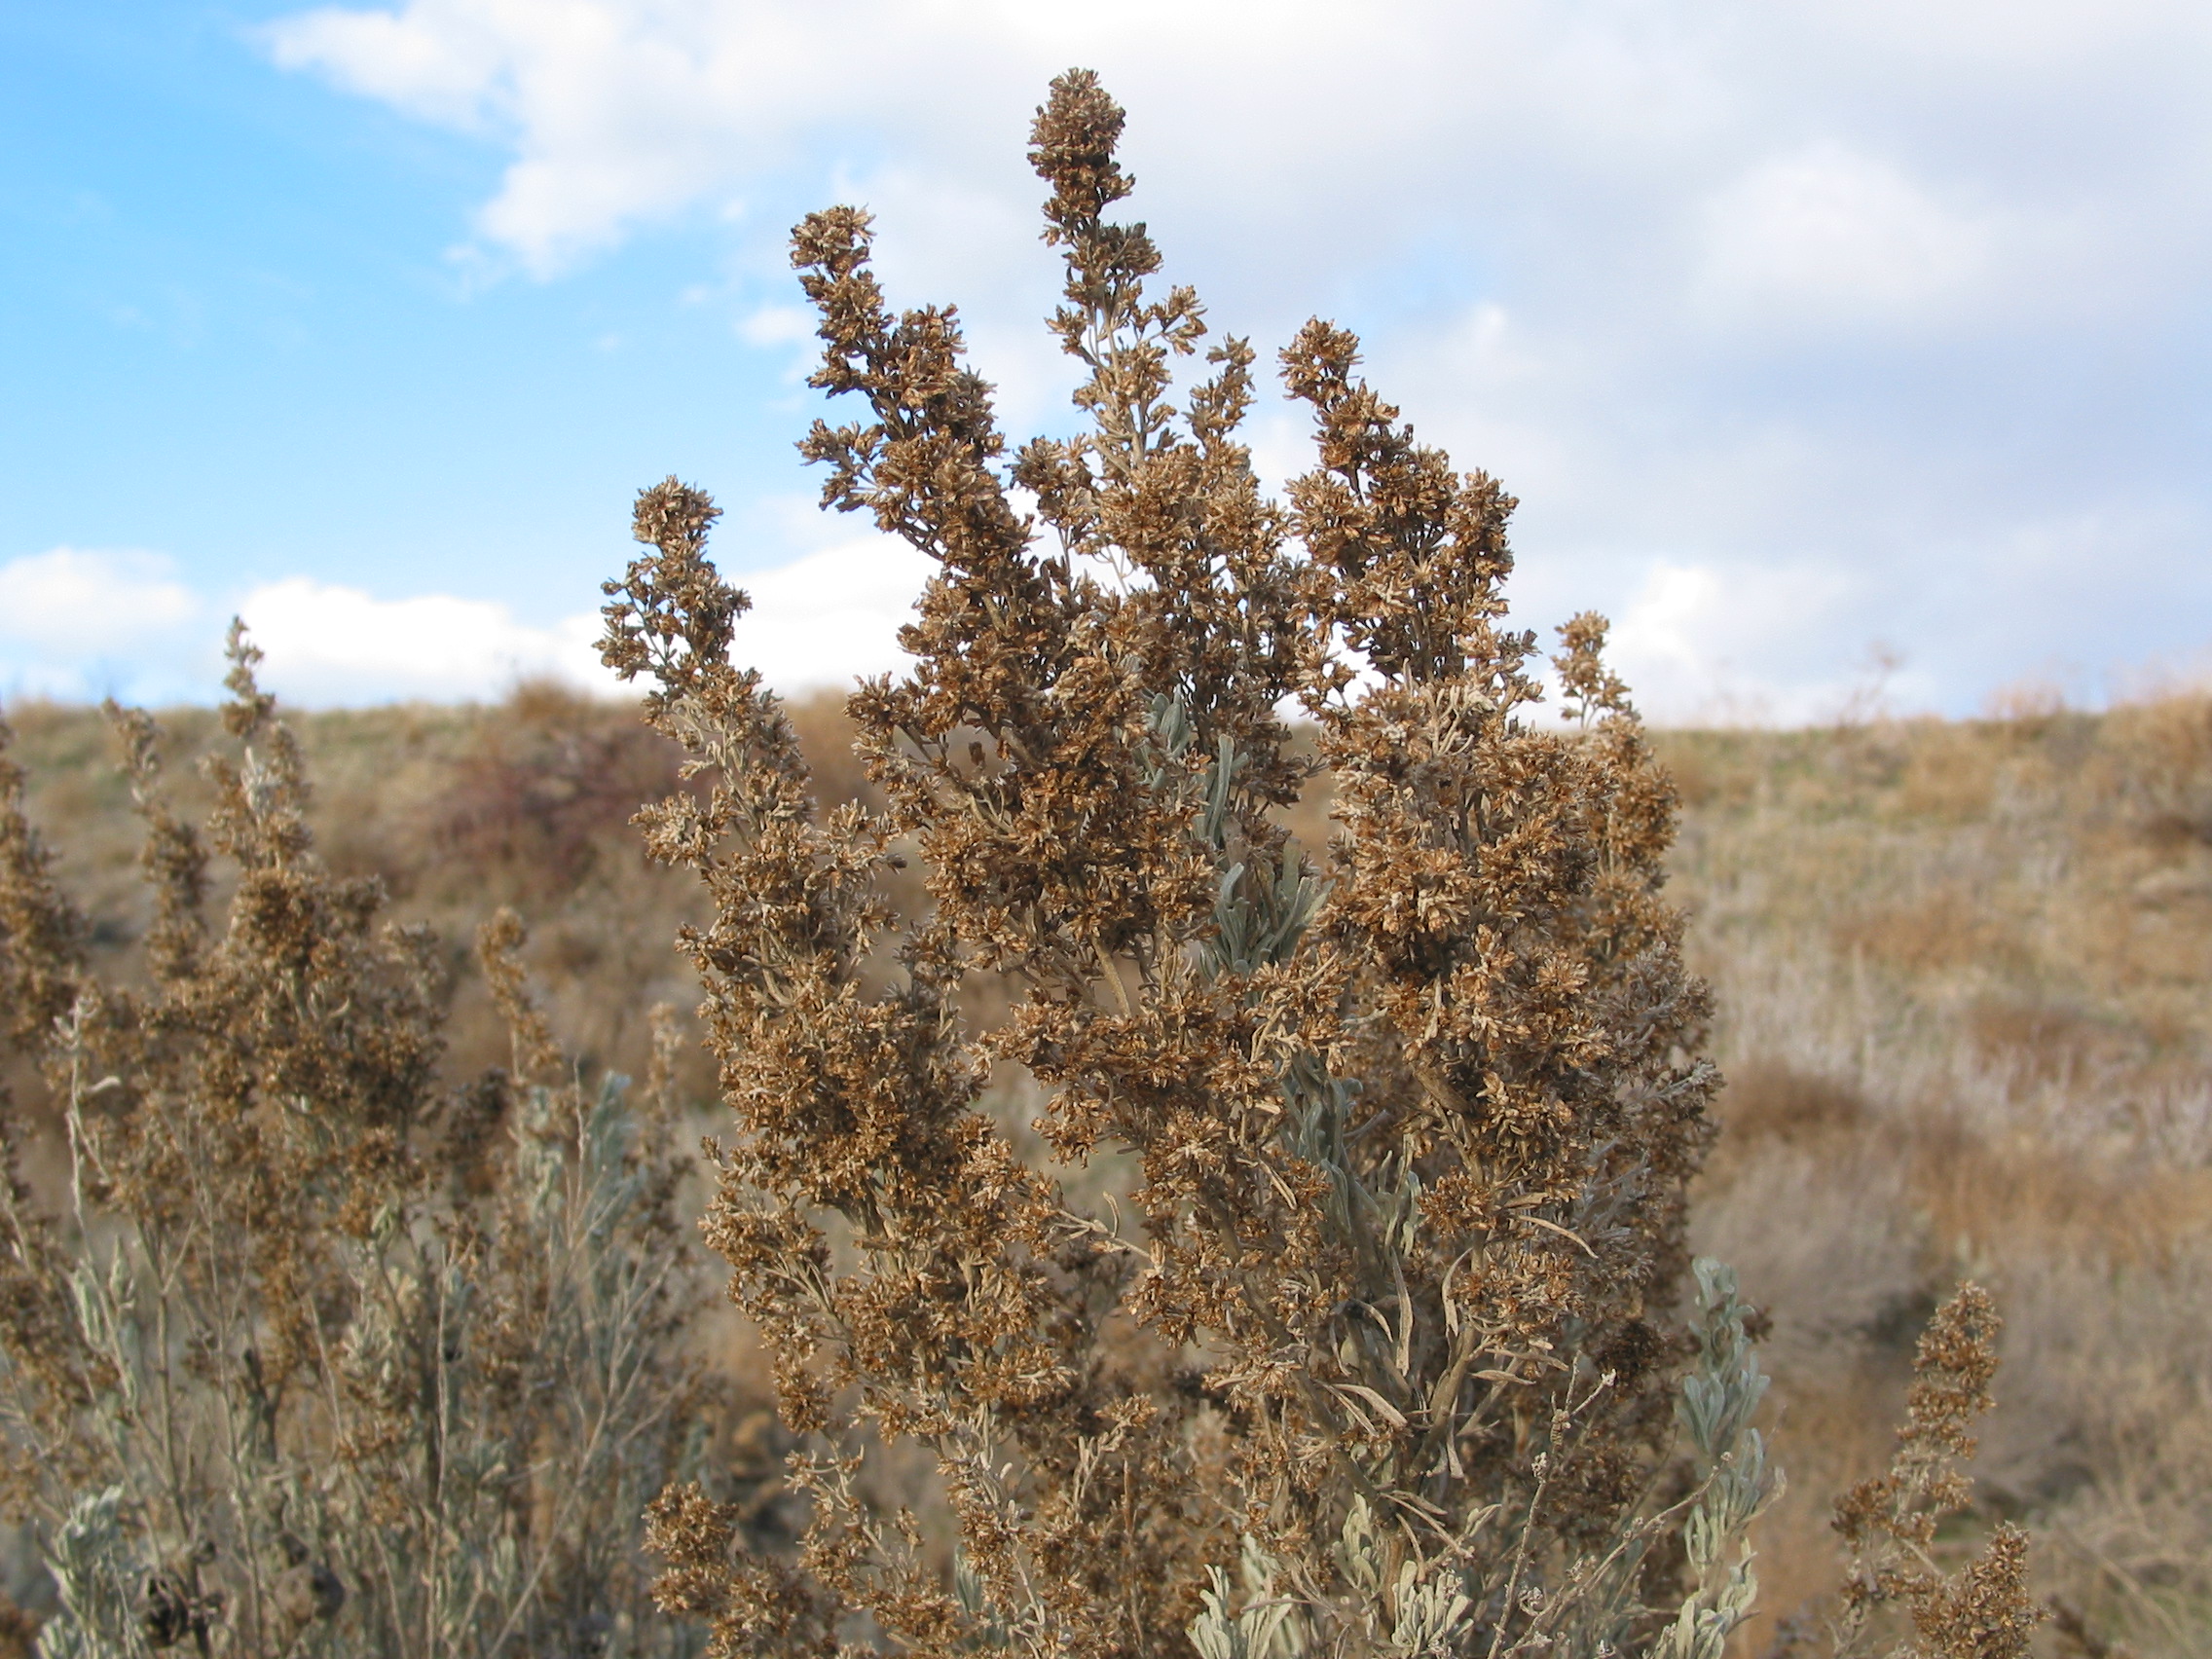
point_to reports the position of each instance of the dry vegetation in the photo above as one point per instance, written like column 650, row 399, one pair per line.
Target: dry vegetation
column 1063, row 1178
column 1962, row 976
column 2035, row 1104
column 308, row 1348
column 458, row 812
column 1387, row 1314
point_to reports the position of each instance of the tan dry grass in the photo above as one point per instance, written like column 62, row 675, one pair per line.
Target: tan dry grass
column 1962, row 974
column 1961, row 971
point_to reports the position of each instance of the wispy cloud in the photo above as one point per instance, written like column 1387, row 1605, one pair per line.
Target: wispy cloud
column 115, row 597
column 1832, row 235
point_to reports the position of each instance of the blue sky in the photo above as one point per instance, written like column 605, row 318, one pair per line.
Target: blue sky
column 240, row 342
column 1808, row 334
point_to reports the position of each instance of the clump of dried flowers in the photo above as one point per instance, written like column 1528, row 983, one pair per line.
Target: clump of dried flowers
column 1380, row 1350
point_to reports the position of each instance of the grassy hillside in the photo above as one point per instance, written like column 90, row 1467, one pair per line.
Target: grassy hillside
column 1964, row 984
column 1962, row 976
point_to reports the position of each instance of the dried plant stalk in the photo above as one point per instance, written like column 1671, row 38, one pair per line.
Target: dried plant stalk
column 1888, row 1523
column 319, row 1357
column 1391, row 1328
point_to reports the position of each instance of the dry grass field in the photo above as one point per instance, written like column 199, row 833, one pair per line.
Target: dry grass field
column 1964, row 973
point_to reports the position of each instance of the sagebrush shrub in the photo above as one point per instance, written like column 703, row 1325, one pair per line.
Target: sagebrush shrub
column 1391, row 1325
column 317, row 1354
column 1368, row 1329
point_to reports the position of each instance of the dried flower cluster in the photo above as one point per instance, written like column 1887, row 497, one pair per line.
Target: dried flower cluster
column 1889, row 1522
column 1387, row 1324
column 309, row 1353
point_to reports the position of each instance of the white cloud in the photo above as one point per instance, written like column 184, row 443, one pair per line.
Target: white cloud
column 1836, row 305
column 103, row 598
column 1660, row 634
column 80, row 623
column 619, row 113
column 1704, row 646
column 1828, row 233
column 434, row 62
column 777, row 325
column 832, row 616
column 823, row 619
column 1599, row 147
column 331, row 644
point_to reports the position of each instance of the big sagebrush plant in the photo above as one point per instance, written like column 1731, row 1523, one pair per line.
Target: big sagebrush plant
column 304, row 1350
column 1383, row 1348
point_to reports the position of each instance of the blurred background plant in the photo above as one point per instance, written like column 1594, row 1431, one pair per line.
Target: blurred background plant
column 307, row 1351
column 1961, row 969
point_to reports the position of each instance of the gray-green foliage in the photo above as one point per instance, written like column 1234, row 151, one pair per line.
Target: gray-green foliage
column 534, row 1365
column 313, row 1352
column 1426, row 1611
column 97, row 1581
column 1718, row 1403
